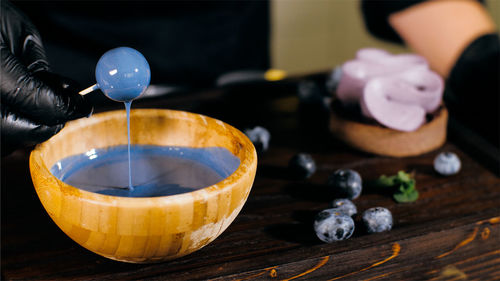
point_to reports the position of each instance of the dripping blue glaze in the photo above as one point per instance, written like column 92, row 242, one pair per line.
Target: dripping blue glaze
column 158, row 170
column 123, row 74
column 128, row 104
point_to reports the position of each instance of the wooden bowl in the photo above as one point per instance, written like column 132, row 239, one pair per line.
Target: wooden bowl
column 383, row 141
column 143, row 230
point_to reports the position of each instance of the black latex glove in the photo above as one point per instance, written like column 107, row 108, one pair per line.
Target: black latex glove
column 35, row 103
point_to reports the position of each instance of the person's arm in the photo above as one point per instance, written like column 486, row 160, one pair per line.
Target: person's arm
column 441, row 30
column 35, row 103
column 460, row 41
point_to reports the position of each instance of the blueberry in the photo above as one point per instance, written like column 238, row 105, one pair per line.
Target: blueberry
column 260, row 138
column 309, row 91
column 302, row 165
column 377, row 219
column 333, row 79
column 346, row 182
column 331, row 225
column 345, row 206
column 447, row 163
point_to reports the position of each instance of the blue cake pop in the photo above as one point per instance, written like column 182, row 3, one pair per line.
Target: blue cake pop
column 122, row 74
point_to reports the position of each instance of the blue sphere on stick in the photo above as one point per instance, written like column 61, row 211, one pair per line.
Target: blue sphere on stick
column 122, row 74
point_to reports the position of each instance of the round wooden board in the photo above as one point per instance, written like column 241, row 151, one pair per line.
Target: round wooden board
column 388, row 142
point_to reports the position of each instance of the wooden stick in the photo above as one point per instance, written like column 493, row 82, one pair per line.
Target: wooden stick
column 89, row 89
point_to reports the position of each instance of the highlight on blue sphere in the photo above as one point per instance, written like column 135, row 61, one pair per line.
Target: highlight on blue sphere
column 122, row 74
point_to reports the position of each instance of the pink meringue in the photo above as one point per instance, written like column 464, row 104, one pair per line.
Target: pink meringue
column 408, row 90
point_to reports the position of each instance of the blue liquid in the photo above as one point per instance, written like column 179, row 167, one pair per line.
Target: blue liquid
column 123, row 74
column 128, row 104
column 156, row 170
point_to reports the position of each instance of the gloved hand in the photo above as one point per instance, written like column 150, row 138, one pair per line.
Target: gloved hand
column 35, row 103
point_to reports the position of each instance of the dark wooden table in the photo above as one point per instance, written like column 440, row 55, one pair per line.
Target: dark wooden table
column 451, row 233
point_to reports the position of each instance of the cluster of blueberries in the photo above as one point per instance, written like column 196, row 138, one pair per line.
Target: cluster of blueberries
column 336, row 223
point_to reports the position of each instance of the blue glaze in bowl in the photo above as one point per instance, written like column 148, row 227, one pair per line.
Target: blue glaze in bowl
column 123, row 74
column 157, row 170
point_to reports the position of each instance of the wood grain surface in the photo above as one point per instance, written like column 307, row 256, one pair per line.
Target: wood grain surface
column 452, row 232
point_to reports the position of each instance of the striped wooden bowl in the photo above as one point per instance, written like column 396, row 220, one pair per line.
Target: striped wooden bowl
column 143, row 230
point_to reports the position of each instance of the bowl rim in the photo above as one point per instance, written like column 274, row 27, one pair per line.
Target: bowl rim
column 248, row 162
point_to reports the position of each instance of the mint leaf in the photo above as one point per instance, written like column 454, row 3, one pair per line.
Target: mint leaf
column 409, row 185
column 403, row 184
column 403, row 177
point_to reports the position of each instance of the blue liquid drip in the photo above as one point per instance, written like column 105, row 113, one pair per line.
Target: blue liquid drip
column 158, row 170
column 128, row 104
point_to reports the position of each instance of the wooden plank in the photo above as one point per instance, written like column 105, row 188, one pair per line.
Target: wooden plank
column 451, row 232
